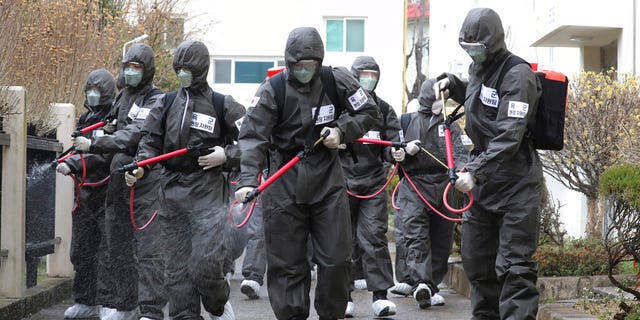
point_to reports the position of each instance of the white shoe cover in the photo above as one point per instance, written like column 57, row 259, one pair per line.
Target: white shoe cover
column 79, row 310
column 227, row 315
column 423, row 296
column 145, row 318
column 401, row 289
column 250, row 288
column 350, row 309
column 383, row 308
column 120, row 315
column 105, row 312
column 360, row 284
column 437, row 300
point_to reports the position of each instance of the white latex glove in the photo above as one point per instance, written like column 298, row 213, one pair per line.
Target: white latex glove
column 82, row 144
column 242, row 193
column 398, row 154
column 465, row 182
column 342, row 146
column 63, row 168
column 110, row 127
column 441, row 86
column 436, row 107
column 213, row 159
column 412, row 147
column 332, row 141
column 135, row 175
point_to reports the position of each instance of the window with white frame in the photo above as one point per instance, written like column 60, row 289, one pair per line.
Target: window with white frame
column 242, row 70
column 345, row 34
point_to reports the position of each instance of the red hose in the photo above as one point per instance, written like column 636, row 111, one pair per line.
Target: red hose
column 395, row 169
column 132, row 216
column 97, row 183
column 249, row 214
column 452, row 209
column 393, row 196
column 425, row 200
column 79, row 184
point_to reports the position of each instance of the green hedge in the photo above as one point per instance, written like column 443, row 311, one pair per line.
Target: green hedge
column 579, row 257
column 622, row 181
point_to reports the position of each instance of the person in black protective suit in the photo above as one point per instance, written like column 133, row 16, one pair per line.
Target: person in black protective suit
column 427, row 236
column 365, row 172
column 133, row 273
column 500, row 231
column 310, row 198
column 192, row 190
column 88, row 217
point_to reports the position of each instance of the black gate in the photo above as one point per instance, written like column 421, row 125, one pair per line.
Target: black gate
column 40, row 201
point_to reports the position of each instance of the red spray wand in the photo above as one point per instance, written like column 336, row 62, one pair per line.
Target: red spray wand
column 383, row 142
column 450, row 162
column 137, row 164
column 255, row 192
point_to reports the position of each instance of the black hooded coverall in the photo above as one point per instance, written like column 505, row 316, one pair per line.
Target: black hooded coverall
column 369, row 217
column 310, row 198
column 88, row 218
column 133, row 274
column 500, row 231
column 427, row 237
column 194, row 215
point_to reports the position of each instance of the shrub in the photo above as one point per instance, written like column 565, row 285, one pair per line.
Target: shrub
column 621, row 184
column 622, row 181
column 579, row 257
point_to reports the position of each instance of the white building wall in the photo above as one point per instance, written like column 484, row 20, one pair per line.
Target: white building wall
column 259, row 29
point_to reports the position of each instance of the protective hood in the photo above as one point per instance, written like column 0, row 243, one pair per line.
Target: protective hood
column 427, row 96
column 303, row 43
column 484, row 25
column 194, row 56
column 106, row 84
column 142, row 53
column 365, row 63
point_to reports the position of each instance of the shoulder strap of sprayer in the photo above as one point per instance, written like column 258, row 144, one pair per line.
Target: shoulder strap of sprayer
column 405, row 119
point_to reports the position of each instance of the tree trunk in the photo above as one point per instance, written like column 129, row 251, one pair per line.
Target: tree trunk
column 595, row 211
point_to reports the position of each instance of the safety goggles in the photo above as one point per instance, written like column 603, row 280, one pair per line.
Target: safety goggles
column 472, row 46
column 368, row 73
column 308, row 65
column 134, row 65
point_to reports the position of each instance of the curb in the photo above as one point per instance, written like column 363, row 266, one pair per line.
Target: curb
column 457, row 280
column 47, row 293
column 562, row 311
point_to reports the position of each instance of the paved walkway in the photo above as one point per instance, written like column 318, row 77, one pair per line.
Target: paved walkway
column 457, row 307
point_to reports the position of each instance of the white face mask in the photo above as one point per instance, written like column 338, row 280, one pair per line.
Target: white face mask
column 185, row 77
column 368, row 82
column 132, row 77
column 476, row 50
column 304, row 70
column 93, row 97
